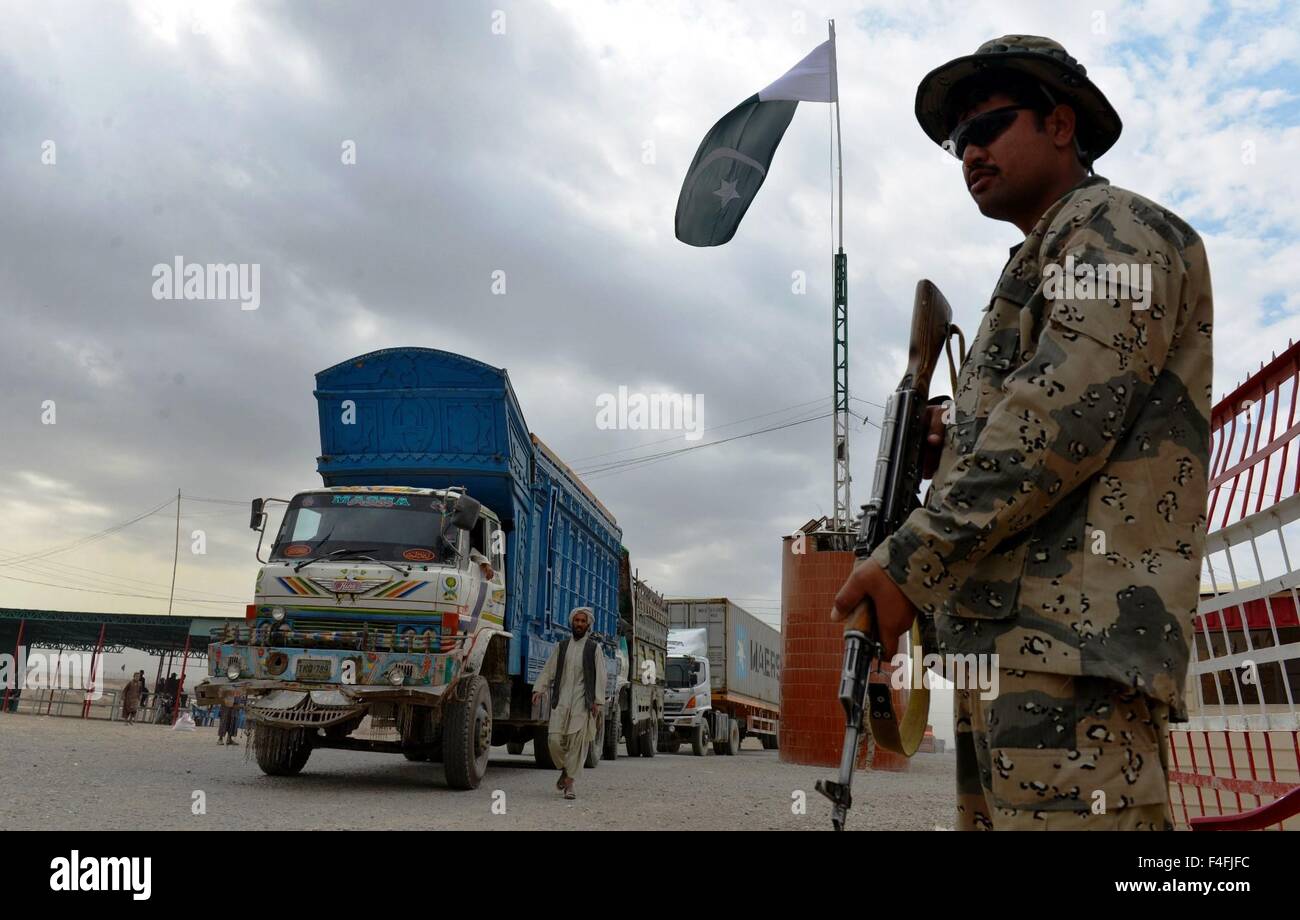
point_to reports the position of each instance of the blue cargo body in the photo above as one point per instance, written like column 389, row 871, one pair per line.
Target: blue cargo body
column 432, row 419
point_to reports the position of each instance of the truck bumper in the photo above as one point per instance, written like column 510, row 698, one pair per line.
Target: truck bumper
column 268, row 679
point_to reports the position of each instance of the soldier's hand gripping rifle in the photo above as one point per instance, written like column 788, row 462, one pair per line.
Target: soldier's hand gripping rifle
column 893, row 497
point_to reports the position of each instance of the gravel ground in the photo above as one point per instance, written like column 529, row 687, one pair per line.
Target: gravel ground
column 71, row 774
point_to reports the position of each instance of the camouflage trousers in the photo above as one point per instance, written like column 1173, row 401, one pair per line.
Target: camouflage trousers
column 1055, row 752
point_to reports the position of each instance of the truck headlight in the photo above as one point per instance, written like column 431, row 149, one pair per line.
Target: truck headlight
column 397, row 677
column 277, row 614
column 234, row 669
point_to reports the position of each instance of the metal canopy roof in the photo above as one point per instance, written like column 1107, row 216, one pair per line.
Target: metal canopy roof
column 78, row 631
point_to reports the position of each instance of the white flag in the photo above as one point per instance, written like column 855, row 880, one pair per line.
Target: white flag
column 811, row 80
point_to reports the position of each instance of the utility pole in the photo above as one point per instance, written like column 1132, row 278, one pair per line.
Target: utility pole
column 176, row 553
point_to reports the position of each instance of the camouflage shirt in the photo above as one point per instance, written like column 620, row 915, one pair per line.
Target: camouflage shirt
column 1065, row 526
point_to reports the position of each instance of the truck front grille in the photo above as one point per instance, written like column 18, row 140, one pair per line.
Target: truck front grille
column 372, row 637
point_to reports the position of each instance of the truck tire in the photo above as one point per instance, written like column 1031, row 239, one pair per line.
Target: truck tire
column 769, row 742
column 634, row 740
column 467, row 735
column 612, row 724
column 280, row 751
column 514, row 747
column 700, row 740
column 542, row 750
column 650, row 742
column 733, row 738
column 591, row 757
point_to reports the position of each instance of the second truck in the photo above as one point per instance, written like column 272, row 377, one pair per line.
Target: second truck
column 724, row 678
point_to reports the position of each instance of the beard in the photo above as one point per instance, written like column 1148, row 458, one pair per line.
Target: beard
column 579, row 632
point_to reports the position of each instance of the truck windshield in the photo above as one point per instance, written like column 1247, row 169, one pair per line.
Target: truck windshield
column 395, row 527
column 680, row 673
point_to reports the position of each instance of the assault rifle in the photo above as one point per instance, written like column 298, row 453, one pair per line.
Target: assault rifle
column 893, row 497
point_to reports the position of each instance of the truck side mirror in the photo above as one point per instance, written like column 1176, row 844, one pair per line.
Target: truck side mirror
column 255, row 519
column 465, row 514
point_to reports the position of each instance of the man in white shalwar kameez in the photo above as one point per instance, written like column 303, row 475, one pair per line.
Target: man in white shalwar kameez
column 577, row 692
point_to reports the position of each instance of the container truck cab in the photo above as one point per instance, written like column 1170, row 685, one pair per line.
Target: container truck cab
column 724, row 674
column 688, row 701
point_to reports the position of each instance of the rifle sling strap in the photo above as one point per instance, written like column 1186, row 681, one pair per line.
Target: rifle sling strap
column 902, row 735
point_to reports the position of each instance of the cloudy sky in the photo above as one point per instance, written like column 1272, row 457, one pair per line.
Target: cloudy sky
column 548, row 141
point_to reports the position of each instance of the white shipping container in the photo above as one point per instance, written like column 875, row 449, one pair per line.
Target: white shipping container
column 744, row 652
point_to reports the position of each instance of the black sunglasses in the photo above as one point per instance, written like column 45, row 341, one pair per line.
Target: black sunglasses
column 982, row 130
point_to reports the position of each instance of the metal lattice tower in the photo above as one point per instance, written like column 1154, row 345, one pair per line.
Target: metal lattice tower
column 841, row 517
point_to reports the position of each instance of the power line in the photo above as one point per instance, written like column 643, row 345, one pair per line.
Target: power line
column 867, row 401
column 623, row 465
column 677, row 437
column 217, row 501
column 152, row 597
column 41, row 554
column 96, row 579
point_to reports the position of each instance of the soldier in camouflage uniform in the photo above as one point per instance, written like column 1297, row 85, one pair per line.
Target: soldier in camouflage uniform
column 1064, row 528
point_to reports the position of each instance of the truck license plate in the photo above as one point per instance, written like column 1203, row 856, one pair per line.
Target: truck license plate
column 313, row 669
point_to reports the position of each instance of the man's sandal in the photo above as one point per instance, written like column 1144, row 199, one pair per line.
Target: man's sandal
column 559, row 783
column 570, row 794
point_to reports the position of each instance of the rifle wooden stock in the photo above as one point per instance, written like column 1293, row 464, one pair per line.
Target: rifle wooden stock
column 931, row 320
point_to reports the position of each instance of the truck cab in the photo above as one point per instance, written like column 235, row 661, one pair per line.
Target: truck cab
column 689, row 715
column 372, row 603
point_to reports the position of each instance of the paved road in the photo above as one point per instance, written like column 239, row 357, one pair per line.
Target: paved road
column 74, row 774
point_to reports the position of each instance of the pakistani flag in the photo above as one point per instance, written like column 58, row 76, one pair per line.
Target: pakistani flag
column 733, row 159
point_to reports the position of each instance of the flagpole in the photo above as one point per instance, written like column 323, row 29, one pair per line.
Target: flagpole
column 839, row 146
column 841, row 516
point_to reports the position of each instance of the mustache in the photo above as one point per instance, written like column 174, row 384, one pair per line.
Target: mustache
column 978, row 171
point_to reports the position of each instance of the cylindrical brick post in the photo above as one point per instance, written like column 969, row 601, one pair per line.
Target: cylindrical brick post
column 812, row 720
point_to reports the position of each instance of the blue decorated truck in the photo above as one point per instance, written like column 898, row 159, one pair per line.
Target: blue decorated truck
column 408, row 605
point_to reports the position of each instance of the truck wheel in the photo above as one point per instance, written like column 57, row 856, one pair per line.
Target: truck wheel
column 700, row 740
column 733, row 739
column 415, row 756
column 610, row 750
column 769, row 742
column 467, row 735
column 542, row 750
column 514, row 747
column 591, row 757
column 649, row 742
column 633, row 741
column 280, row 751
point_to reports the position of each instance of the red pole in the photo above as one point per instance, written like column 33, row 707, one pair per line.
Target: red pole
column 53, row 683
column 22, row 624
column 185, row 657
column 157, row 682
column 94, row 660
